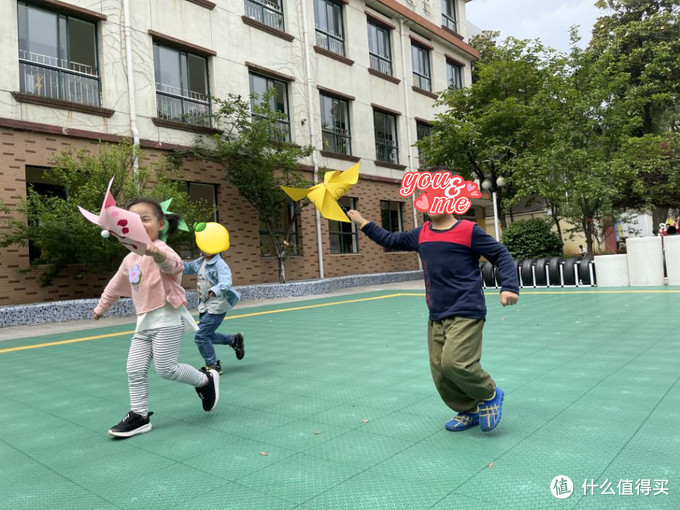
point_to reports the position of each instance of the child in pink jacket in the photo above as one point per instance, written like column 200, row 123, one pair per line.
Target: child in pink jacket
column 153, row 280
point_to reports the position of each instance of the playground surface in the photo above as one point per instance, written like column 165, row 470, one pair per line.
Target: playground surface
column 333, row 408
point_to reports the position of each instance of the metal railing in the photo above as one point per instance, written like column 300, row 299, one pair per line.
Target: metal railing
column 386, row 150
column 449, row 22
column 56, row 78
column 336, row 140
column 380, row 63
column 330, row 42
column 172, row 105
column 421, row 81
column 268, row 13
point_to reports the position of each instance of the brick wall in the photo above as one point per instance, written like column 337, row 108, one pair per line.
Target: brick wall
column 20, row 148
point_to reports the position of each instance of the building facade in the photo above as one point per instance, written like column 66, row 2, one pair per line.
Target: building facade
column 356, row 79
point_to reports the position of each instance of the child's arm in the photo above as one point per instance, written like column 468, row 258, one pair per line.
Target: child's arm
column 406, row 241
column 168, row 261
column 224, row 280
column 118, row 287
column 192, row 266
column 497, row 254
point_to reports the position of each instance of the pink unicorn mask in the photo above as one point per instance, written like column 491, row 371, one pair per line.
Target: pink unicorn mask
column 126, row 226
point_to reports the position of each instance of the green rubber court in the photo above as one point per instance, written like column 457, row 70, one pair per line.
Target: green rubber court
column 333, row 408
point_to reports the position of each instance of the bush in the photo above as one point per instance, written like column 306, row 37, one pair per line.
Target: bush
column 532, row 239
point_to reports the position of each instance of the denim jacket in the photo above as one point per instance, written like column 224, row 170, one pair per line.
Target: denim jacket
column 218, row 275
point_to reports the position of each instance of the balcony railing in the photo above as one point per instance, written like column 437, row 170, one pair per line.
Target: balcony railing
column 56, row 78
column 386, row 150
column 173, row 105
column 330, row 42
column 336, row 140
column 449, row 22
column 268, row 13
column 421, row 81
column 381, row 64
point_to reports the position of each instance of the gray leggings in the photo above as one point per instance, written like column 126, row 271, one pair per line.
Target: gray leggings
column 161, row 345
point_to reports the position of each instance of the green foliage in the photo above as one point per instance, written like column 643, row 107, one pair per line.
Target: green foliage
column 489, row 124
column 531, row 239
column 57, row 229
column 253, row 151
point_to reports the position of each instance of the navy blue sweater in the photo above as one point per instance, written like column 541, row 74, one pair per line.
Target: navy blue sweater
column 453, row 282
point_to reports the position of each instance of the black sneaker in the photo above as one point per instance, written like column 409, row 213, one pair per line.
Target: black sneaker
column 217, row 367
column 131, row 425
column 210, row 393
column 238, row 346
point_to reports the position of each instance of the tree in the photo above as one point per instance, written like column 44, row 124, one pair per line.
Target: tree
column 642, row 39
column 256, row 158
column 575, row 170
column 487, row 125
column 51, row 224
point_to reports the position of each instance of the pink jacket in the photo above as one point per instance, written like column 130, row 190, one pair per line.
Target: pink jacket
column 150, row 285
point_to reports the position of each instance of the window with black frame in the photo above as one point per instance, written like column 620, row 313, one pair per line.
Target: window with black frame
column 454, row 75
column 391, row 217
column 58, row 56
column 344, row 237
column 379, row 47
column 386, row 141
column 40, row 182
column 449, row 15
column 423, row 130
column 182, row 90
column 282, row 222
column 278, row 102
column 422, row 77
column 335, row 125
column 330, row 34
column 267, row 12
column 206, row 195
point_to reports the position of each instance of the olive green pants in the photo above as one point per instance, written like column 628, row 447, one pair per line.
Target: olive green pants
column 455, row 346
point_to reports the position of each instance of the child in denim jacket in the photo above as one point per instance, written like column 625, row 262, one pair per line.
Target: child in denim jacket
column 215, row 298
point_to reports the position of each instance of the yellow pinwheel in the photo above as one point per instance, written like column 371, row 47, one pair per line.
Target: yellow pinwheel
column 325, row 195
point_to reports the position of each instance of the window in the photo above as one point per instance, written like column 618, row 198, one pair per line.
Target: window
column 344, row 236
column 206, row 193
column 454, row 75
column 379, row 48
column 390, row 217
column 182, row 92
column 423, row 130
column 385, row 128
column 449, row 14
column 281, row 224
column 421, row 66
column 335, row 125
column 268, row 12
column 329, row 32
column 278, row 102
column 39, row 181
column 58, row 56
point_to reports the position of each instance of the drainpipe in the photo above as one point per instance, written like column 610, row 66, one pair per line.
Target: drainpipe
column 405, row 80
column 407, row 110
column 131, row 87
column 312, row 125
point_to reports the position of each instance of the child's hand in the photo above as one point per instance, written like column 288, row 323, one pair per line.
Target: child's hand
column 508, row 298
column 96, row 316
column 355, row 216
column 154, row 251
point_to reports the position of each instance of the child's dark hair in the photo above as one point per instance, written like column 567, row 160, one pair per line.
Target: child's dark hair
column 171, row 220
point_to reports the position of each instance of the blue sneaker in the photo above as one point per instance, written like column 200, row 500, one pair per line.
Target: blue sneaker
column 490, row 411
column 462, row 421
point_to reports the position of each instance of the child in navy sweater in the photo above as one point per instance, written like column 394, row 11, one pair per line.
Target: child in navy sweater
column 450, row 250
